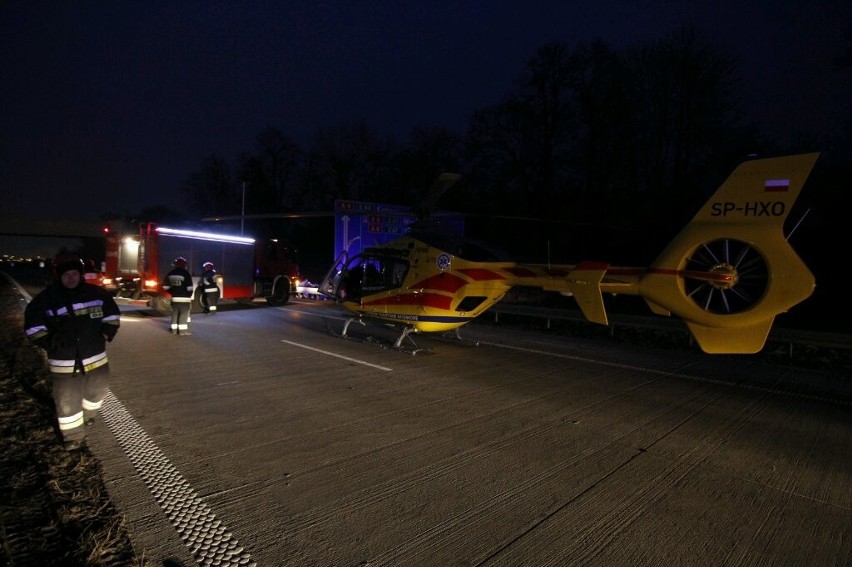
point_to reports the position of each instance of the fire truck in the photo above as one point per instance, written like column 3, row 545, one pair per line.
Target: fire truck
column 136, row 264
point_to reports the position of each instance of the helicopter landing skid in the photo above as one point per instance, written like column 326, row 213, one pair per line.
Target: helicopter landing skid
column 406, row 334
column 455, row 335
column 349, row 322
column 343, row 335
column 398, row 344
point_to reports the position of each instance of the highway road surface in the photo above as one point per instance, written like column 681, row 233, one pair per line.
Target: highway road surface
column 262, row 439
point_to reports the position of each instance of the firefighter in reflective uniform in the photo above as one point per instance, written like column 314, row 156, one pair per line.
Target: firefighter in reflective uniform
column 73, row 320
column 209, row 289
column 178, row 284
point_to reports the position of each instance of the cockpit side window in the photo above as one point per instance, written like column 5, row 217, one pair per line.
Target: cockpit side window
column 372, row 274
column 350, row 283
column 399, row 270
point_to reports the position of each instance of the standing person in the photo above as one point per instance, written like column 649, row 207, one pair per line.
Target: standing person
column 73, row 320
column 209, row 289
column 178, row 284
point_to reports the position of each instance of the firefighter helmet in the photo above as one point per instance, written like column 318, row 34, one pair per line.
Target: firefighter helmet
column 66, row 262
column 206, row 264
column 180, row 261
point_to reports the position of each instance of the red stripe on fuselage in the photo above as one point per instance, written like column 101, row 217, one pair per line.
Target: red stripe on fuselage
column 632, row 271
column 591, row 266
column 444, row 281
column 433, row 300
column 707, row 276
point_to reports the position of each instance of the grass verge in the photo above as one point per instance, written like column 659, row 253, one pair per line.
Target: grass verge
column 54, row 507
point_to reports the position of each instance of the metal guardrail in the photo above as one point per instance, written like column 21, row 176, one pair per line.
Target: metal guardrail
column 790, row 337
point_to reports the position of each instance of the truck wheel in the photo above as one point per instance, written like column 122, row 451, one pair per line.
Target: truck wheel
column 280, row 296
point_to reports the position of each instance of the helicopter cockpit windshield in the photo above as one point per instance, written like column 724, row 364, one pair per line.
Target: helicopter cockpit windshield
column 363, row 274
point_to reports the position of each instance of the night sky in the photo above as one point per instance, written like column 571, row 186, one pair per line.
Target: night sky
column 110, row 105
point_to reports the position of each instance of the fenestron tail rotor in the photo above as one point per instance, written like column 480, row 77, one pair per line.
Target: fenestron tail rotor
column 746, row 268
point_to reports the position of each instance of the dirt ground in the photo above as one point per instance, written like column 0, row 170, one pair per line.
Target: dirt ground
column 54, row 508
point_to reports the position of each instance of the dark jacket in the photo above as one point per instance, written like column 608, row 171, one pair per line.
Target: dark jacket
column 208, row 281
column 72, row 325
column 178, row 283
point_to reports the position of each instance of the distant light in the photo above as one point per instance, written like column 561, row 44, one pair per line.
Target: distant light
column 209, row 236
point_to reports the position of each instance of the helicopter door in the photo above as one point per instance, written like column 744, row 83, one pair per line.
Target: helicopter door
column 331, row 282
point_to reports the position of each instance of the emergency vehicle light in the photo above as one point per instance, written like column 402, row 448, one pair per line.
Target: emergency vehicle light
column 205, row 236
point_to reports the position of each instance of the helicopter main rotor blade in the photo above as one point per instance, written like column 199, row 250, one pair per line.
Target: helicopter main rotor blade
column 437, row 189
column 305, row 215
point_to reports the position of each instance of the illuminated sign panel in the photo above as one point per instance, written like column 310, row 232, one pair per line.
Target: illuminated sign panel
column 360, row 224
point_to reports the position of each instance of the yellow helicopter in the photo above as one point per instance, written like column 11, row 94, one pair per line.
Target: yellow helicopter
column 727, row 274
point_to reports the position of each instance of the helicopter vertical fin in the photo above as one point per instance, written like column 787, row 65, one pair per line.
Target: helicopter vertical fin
column 713, row 340
column 585, row 281
column 730, row 271
column 658, row 309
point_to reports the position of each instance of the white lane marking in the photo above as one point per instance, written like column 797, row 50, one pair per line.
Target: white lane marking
column 27, row 297
column 575, row 357
column 676, row 374
column 307, row 313
column 633, row 367
column 355, row 360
